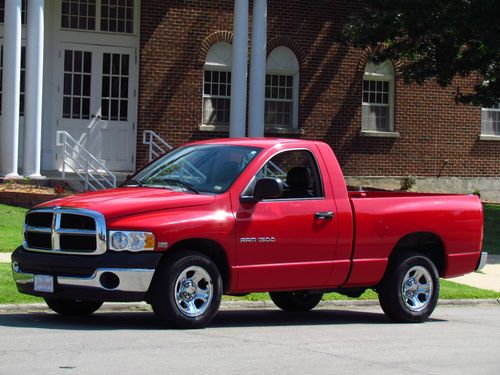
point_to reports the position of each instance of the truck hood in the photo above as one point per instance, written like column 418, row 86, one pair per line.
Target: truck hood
column 114, row 203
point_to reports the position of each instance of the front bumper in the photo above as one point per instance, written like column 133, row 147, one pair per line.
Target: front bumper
column 107, row 277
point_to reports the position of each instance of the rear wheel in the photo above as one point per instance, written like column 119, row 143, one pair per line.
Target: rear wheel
column 72, row 307
column 187, row 291
column 410, row 289
column 295, row 301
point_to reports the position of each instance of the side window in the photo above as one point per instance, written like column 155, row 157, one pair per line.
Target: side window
column 298, row 171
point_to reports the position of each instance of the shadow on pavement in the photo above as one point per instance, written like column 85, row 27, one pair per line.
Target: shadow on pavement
column 224, row 319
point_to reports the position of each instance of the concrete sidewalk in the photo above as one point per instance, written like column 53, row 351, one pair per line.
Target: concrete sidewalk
column 488, row 278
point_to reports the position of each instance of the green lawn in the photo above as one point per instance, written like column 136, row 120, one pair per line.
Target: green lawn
column 8, row 290
column 491, row 242
column 11, row 227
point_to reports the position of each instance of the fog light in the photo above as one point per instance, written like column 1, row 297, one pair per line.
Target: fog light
column 109, row 280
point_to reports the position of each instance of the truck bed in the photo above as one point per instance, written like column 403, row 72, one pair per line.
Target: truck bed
column 393, row 194
column 383, row 219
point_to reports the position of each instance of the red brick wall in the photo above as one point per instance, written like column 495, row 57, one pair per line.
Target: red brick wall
column 432, row 126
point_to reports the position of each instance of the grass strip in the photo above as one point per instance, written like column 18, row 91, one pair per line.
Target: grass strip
column 449, row 290
column 11, row 227
column 8, row 290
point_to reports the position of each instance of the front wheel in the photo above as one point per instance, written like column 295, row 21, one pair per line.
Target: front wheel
column 409, row 290
column 71, row 307
column 295, row 301
column 187, row 291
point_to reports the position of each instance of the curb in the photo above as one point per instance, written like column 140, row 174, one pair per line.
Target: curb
column 241, row 305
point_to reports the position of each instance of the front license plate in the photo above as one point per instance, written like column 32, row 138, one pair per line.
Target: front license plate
column 44, row 283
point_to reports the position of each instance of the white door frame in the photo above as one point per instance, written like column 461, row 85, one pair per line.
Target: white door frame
column 55, row 36
column 95, row 124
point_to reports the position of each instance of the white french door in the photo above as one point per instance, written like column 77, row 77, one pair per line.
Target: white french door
column 96, row 101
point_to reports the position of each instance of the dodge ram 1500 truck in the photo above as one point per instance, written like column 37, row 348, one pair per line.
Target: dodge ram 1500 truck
column 234, row 216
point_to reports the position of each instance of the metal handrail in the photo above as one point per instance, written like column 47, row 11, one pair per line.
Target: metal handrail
column 155, row 143
column 272, row 170
column 87, row 165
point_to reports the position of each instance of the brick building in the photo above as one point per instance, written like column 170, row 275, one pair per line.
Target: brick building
column 167, row 66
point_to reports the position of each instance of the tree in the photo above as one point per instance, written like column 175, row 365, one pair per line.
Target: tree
column 437, row 39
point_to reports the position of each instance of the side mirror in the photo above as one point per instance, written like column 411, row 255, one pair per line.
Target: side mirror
column 265, row 188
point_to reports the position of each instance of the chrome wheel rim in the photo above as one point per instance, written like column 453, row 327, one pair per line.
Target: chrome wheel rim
column 417, row 288
column 193, row 291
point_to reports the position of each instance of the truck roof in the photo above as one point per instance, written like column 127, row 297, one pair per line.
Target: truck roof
column 254, row 142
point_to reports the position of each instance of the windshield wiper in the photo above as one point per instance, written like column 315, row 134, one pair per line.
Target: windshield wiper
column 133, row 183
column 181, row 183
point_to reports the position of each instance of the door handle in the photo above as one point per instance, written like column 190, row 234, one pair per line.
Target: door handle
column 327, row 215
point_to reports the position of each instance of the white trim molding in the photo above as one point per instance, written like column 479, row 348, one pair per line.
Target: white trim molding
column 378, row 134
column 488, row 137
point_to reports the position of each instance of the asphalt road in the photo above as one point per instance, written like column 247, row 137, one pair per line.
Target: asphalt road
column 458, row 340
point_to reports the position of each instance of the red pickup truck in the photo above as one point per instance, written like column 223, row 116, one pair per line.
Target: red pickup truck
column 234, row 216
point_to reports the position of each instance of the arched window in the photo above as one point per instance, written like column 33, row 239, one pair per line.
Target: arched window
column 378, row 97
column 217, row 85
column 282, row 89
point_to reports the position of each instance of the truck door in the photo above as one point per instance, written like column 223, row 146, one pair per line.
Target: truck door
column 288, row 242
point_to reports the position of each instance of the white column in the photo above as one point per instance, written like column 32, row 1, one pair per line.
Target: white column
column 258, row 69
column 237, row 121
column 34, row 84
column 9, row 136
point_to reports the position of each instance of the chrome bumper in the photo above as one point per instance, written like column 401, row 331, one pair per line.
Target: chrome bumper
column 482, row 261
column 129, row 280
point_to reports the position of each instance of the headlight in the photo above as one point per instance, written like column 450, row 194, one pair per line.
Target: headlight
column 131, row 241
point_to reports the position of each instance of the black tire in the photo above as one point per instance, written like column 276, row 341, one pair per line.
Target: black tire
column 176, row 278
column 70, row 307
column 295, row 301
column 413, row 300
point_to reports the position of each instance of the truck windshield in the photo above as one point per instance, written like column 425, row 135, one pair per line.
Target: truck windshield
column 197, row 169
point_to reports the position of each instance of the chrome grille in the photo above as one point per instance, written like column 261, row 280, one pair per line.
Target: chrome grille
column 65, row 231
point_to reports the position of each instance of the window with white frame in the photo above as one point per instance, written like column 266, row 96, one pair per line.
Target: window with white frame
column 490, row 124
column 217, row 85
column 378, row 97
column 282, row 89
column 115, row 16
column 78, row 14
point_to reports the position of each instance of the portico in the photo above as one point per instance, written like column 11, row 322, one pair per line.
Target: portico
column 68, row 65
